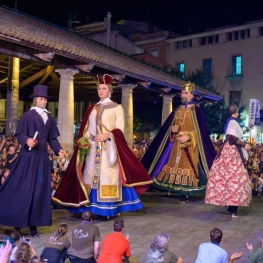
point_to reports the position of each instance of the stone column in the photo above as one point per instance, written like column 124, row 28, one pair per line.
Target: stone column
column 127, row 104
column 167, row 106
column 66, row 108
column 12, row 96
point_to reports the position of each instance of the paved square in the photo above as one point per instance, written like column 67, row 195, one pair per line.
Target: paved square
column 187, row 225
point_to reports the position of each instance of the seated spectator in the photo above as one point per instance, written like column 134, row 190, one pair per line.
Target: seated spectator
column 5, row 174
column 5, row 252
column 57, row 245
column 211, row 252
column 24, row 253
column 85, row 241
column 16, row 237
column 11, row 157
column 115, row 245
column 159, row 251
column 257, row 256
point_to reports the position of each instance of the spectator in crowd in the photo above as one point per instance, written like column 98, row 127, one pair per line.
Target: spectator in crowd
column 24, row 253
column 55, row 180
column 211, row 252
column 85, row 241
column 115, row 245
column 56, row 247
column 3, row 154
column 5, row 174
column 260, row 185
column 159, row 252
column 16, row 237
column 54, row 161
column 5, row 252
column 257, row 256
column 11, row 157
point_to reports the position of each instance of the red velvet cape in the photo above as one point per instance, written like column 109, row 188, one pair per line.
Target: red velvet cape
column 133, row 173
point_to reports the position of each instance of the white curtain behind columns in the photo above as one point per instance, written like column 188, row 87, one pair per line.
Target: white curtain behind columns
column 127, row 104
column 167, row 106
column 66, row 108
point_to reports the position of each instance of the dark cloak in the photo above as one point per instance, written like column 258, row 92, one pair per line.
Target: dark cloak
column 26, row 194
column 158, row 152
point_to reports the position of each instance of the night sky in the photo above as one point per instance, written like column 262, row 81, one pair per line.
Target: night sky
column 181, row 16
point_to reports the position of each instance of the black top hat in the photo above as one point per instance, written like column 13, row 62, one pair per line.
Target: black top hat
column 40, row 91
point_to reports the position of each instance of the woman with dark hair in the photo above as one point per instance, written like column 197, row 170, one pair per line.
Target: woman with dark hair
column 57, row 245
column 159, row 251
column 228, row 181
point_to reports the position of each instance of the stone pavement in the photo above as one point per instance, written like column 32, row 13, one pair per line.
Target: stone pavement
column 187, row 225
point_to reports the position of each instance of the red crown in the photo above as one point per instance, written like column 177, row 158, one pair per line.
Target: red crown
column 105, row 79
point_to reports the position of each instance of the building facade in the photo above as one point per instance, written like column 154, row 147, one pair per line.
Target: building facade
column 230, row 57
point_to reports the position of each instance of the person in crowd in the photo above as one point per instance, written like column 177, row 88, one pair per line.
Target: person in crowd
column 181, row 153
column 24, row 253
column 85, row 241
column 54, row 161
column 255, row 256
column 103, row 181
column 211, row 252
column 30, row 177
column 159, row 252
column 50, row 155
column 63, row 164
column 56, row 247
column 5, row 252
column 4, row 154
column 11, row 157
column 2, row 144
column 260, row 185
column 228, row 181
column 115, row 246
column 5, row 174
column 16, row 237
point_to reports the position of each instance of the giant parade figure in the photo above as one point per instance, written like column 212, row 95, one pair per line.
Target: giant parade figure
column 181, row 154
column 108, row 178
column 25, row 195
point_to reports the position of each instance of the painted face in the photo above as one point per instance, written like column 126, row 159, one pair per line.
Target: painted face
column 186, row 96
column 41, row 102
column 103, row 91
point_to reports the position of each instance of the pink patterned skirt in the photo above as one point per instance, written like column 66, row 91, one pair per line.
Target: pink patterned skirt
column 228, row 181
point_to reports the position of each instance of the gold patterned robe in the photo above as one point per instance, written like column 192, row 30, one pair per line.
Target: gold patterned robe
column 178, row 172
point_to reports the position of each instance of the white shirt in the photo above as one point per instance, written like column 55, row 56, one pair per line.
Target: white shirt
column 107, row 100
column 42, row 113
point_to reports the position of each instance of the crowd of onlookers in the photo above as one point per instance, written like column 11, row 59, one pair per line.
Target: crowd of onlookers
column 85, row 246
column 9, row 151
column 140, row 147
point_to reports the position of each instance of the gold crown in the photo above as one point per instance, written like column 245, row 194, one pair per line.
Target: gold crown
column 188, row 86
